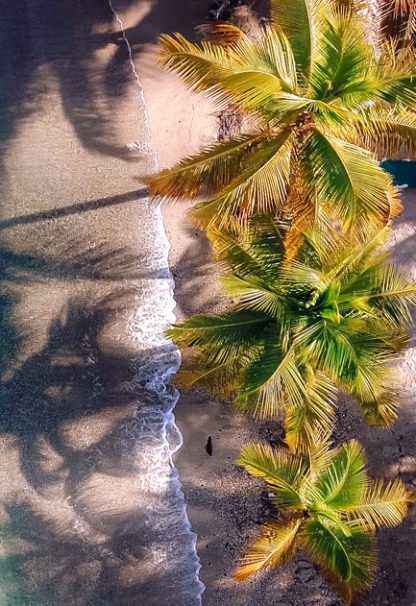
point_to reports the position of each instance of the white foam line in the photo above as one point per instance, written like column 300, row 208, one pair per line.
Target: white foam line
column 170, row 419
column 134, row 72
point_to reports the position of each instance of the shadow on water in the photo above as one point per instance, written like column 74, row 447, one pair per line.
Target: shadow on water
column 97, row 262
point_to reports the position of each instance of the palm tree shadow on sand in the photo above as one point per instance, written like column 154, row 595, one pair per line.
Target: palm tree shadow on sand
column 75, row 521
column 46, row 42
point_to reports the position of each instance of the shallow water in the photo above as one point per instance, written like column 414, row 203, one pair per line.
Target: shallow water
column 91, row 508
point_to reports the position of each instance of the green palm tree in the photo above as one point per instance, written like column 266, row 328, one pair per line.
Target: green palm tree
column 327, row 505
column 298, row 330
column 322, row 105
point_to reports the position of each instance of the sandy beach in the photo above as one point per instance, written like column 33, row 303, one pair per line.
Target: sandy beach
column 76, row 237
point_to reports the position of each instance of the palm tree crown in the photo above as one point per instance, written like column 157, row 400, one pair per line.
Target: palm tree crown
column 327, row 505
column 321, row 101
column 336, row 316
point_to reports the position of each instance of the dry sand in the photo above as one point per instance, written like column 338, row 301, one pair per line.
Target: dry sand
column 86, row 167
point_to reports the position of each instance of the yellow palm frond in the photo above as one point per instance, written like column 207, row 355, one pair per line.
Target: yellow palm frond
column 383, row 504
column 276, row 546
column 209, row 171
column 221, row 32
column 357, row 191
column 311, row 423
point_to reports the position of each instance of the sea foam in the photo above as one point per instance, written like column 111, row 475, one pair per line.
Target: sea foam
column 171, row 542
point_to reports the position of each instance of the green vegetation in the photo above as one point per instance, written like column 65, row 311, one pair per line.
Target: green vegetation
column 335, row 316
column 320, row 100
column 327, row 505
column 299, row 212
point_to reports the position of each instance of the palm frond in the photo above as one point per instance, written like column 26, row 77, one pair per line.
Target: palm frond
column 327, row 342
column 250, row 90
column 282, row 471
column 402, row 7
column 276, row 546
column 388, row 133
column 377, row 389
column 252, row 247
column 262, row 70
column 209, row 171
column 259, row 187
column 278, row 56
column 354, row 187
column 221, row 32
column 271, row 380
column 349, row 560
column 199, row 65
column 392, row 295
column 395, row 72
column 345, row 478
column 220, row 379
column 254, row 293
column 230, row 330
column 346, row 262
column 310, row 424
column 383, row 504
column 343, row 61
column 302, row 22
column 245, row 73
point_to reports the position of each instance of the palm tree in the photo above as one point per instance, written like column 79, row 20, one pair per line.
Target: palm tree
column 399, row 18
column 320, row 102
column 298, row 330
column 327, row 505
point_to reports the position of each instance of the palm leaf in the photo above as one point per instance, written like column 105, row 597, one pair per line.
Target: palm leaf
column 326, row 342
column 355, row 187
column 277, row 54
column 250, row 90
column 231, row 330
column 383, row 504
column 344, row 59
column 387, row 132
column 210, row 170
column 221, row 32
column 312, row 422
column 219, row 379
column 273, row 378
column 392, row 294
column 199, row 65
column 254, row 247
column 281, row 470
column 345, row 478
column 254, row 293
column 259, row 187
column 349, row 560
column 377, row 392
column 276, row 546
column 301, row 21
